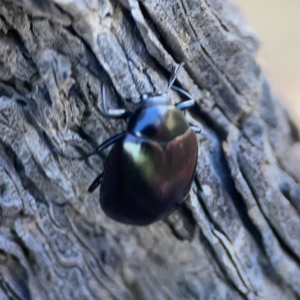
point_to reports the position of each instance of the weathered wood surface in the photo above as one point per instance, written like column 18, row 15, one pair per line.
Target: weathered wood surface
column 237, row 237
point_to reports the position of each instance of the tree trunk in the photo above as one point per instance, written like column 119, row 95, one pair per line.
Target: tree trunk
column 236, row 236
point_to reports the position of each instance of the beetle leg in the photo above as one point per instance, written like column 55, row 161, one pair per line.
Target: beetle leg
column 196, row 129
column 115, row 113
column 184, row 104
column 108, row 142
column 95, row 183
column 97, row 150
column 112, row 113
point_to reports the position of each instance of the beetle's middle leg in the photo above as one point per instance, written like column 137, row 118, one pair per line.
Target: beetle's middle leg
column 95, row 183
column 97, row 150
column 184, row 104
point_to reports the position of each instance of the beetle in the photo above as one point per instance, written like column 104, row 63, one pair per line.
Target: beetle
column 151, row 166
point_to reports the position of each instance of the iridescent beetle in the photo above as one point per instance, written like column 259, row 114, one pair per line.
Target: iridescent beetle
column 151, row 166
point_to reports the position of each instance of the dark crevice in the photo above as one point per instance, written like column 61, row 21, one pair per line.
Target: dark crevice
column 284, row 189
column 76, row 93
column 27, row 253
column 136, row 35
column 183, row 7
column 94, row 67
column 15, row 280
column 31, row 30
column 205, row 210
column 20, row 86
column 6, row 89
column 21, row 280
column 257, row 236
column 183, row 226
column 209, row 248
column 287, row 170
column 10, row 291
column 43, row 91
column 27, row 183
column 220, row 131
column 250, row 227
column 28, row 86
column 165, row 45
column 221, row 72
column 84, row 136
column 293, row 195
column 186, row 17
column 221, row 167
column 187, row 215
column 62, row 11
column 31, row 112
column 15, row 36
column 129, row 68
column 159, row 36
column 284, row 246
column 133, row 26
column 21, row 102
column 92, row 97
column 217, row 17
column 293, row 129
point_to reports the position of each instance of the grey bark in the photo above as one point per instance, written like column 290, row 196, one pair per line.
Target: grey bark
column 236, row 237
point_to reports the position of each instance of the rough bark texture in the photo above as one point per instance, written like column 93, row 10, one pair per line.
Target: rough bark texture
column 237, row 236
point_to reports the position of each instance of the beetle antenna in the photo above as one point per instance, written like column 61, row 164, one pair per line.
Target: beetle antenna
column 174, row 76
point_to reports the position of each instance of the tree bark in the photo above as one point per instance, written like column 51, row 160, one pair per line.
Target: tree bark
column 236, row 236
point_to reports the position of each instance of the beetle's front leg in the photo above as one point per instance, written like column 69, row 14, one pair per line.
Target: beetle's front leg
column 112, row 113
column 196, row 129
column 184, row 104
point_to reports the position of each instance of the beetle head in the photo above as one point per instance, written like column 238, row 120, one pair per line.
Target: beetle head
column 150, row 99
